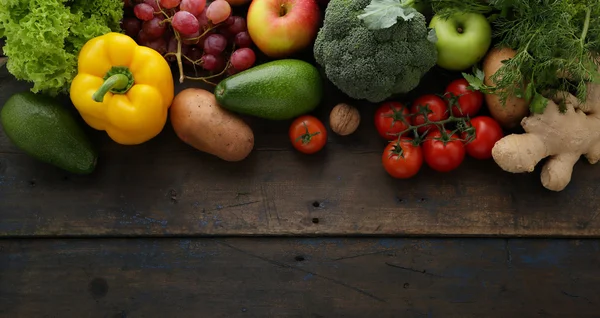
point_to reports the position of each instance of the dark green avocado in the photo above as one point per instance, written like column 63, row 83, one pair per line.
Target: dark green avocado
column 276, row 90
column 41, row 127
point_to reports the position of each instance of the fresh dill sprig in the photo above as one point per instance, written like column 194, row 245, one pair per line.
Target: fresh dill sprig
column 557, row 44
column 555, row 48
column 447, row 8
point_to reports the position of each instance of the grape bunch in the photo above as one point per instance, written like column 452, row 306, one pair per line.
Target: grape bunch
column 192, row 32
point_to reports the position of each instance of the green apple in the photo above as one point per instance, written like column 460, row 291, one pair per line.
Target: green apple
column 463, row 39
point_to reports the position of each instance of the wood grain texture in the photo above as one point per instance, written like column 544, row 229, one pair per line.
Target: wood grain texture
column 165, row 187
column 299, row 278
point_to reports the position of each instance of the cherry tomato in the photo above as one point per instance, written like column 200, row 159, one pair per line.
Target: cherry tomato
column 443, row 154
column 405, row 165
column 391, row 118
column 308, row 134
column 437, row 111
column 487, row 132
column 463, row 101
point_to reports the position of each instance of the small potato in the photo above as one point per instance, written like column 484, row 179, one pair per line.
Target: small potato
column 510, row 114
column 200, row 122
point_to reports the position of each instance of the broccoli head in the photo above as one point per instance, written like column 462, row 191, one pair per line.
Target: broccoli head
column 372, row 64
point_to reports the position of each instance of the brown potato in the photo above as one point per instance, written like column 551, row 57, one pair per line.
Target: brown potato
column 510, row 114
column 200, row 122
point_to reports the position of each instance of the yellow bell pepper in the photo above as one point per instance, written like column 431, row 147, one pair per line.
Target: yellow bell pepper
column 122, row 88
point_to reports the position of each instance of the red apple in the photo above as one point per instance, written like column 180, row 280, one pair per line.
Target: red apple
column 280, row 28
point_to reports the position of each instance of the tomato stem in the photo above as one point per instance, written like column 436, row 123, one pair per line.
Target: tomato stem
column 307, row 136
column 397, row 115
column 397, row 150
column 462, row 124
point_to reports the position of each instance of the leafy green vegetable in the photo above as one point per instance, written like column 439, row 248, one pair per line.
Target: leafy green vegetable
column 551, row 38
column 557, row 44
column 476, row 80
column 43, row 37
column 382, row 14
column 538, row 102
column 372, row 64
column 446, row 8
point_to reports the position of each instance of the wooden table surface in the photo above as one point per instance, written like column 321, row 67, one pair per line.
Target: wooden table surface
column 299, row 277
column 130, row 239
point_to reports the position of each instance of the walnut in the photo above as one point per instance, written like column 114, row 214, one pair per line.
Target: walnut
column 344, row 119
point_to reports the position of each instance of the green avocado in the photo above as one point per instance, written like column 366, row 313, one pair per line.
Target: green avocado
column 276, row 90
column 42, row 128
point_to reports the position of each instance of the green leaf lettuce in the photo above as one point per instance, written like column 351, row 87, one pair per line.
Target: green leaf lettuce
column 43, row 37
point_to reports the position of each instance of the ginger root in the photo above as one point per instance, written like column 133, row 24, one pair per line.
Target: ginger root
column 563, row 137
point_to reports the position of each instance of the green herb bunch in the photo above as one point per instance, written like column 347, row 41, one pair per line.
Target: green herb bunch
column 557, row 44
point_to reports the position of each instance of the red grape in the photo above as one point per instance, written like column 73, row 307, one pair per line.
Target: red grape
column 185, row 23
column 215, row 44
column 172, row 48
column 213, row 63
column 192, row 6
column 209, row 62
column 191, row 39
column 221, row 63
column 242, row 59
column 238, row 25
column 231, row 70
column 154, row 28
column 202, row 19
column 131, row 26
column 142, row 37
column 242, row 39
column 200, row 43
column 229, row 21
column 228, row 35
column 154, row 5
column 143, row 12
column 127, row 4
column 169, row 4
column 194, row 54
column 159, row 45
column 218, row 11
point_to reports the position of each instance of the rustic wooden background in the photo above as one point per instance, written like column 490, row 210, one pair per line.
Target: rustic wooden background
column 164, row 187
column 299, row 277
column 128, row 240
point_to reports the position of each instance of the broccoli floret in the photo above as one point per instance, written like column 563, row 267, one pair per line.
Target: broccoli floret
column 372, row 64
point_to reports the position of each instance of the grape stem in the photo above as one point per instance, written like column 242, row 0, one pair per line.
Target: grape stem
column 205, row 79
column 179, row 56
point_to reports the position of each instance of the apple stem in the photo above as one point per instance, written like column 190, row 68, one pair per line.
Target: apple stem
column 460, row 30
column 282, row 10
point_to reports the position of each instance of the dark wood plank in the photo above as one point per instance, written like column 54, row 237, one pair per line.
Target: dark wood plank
column 164, row 187
column 299, row 278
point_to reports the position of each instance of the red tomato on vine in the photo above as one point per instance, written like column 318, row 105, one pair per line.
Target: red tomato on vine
column 443, row 152
column 391, row 118
column 308, row 134
column 487, row 133
column 436, row 110
column 403, row 159
column 462, row 100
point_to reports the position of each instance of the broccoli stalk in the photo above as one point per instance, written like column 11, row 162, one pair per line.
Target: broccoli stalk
column 373, row 63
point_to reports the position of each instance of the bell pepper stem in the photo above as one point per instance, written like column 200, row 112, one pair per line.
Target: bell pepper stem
column 116, row 82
